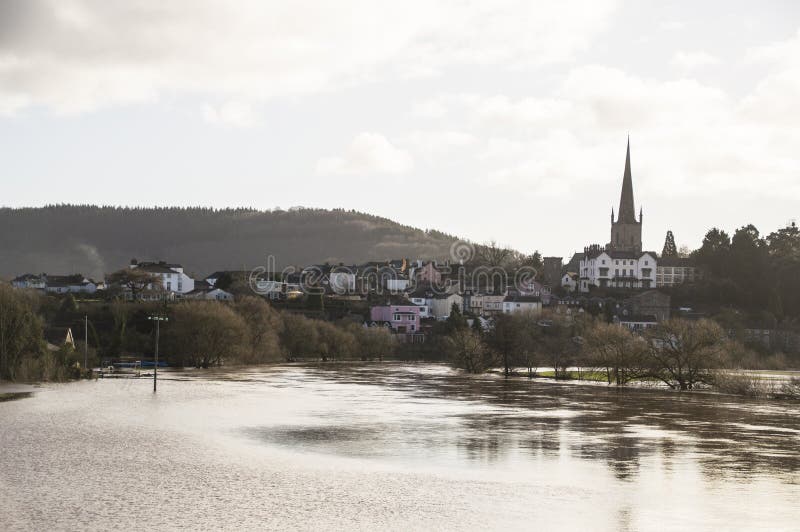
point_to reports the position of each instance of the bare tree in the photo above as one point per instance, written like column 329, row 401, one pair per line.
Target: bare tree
column 377, row 342
column 468, row 351
column 21, row 333
column 135, row 280
column 299, row 337
column 264, row 325
column 683, row 352
column 619, row 351
column 206, row 333
column 492, row 255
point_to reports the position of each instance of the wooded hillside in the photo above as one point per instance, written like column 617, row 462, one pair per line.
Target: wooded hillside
column 96, row 240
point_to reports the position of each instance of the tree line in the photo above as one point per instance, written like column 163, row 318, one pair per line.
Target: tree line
column 198, row 333
column 679, row 353
column 756, row 273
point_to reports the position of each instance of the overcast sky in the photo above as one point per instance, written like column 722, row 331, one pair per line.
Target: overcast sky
column 499, row 120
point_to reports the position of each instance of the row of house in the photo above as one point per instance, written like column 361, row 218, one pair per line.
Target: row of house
column 173, row 283
column 58, row 284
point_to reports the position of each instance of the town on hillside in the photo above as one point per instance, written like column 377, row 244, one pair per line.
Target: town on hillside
column 620, row 281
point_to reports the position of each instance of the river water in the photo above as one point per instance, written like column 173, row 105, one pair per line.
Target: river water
column 405, row 447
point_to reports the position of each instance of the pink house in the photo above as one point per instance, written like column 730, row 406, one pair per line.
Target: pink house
column 429, row 274
column 403, row 319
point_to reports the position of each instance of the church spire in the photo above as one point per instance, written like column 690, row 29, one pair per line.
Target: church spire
column 627, row 210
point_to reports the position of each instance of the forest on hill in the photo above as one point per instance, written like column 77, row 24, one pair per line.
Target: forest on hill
column 95, row 240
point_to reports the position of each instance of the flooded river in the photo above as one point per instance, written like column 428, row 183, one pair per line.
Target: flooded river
column 392, row 446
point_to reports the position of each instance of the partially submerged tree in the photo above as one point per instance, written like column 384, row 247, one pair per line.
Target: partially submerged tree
column 682, row 353
column 206, row 333
column 299, row 337
column 620, row 352
column 467, row 351
column 514, row 338
column 264, row 326
column 21, row 331
column 376, row 342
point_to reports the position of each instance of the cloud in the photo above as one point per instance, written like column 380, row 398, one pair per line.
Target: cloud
column 688, row 138
column 368, row 153
column 784, row 53
column 692, row 60
column 231, row 113
column 78, row 55
column 439, row 145
column 673, row 25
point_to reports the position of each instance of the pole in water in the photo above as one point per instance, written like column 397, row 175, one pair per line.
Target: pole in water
column 86, row 342
column 158, row 320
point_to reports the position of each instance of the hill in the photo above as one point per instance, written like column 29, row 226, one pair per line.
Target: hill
column 96, row 240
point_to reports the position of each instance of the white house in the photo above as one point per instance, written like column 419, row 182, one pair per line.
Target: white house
column 617, row 269
column 69, row 284
column 213, row 294
column 638, row 322
column 397, row 285
column 342, row 282
column 29, row 280
column 520, row 303
column 569, row 281
column 173, row 278
column 424, row 304
column 441, row 305
column 673, row 271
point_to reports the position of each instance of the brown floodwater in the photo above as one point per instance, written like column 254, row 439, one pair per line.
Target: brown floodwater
column 404, row 447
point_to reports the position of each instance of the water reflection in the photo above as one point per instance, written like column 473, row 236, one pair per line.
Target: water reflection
column 390, row 445
column 726, row 436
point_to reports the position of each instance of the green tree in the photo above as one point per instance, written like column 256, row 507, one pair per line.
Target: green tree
column 714, row 252
column 456, row 319
column 670, row 249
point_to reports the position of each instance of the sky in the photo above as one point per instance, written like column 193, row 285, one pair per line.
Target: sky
column 502, row 120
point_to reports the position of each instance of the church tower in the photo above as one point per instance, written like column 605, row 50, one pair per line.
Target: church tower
column 626, row 232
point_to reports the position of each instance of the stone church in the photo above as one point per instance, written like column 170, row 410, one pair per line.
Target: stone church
column 626, row 232
column 621, row 263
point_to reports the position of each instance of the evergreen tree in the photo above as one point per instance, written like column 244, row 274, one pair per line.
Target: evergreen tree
column 670, row 250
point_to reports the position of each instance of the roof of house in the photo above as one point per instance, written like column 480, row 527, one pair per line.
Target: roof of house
column 522, row 299
column 676, row 261
column 220, row 273
column 30, row 277
column 66, row 280
column 155, row 268
column 57, row 335
column 151, row 263
column 638, row 318
column 574, row 263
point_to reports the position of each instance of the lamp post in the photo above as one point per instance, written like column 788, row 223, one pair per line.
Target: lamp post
column 158, row 320
column 86, row 343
